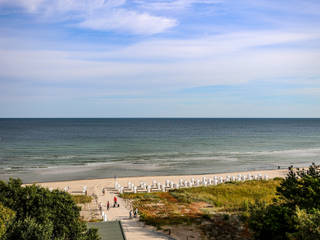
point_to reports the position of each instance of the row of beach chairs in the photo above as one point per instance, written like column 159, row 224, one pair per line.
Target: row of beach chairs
column 183, row 183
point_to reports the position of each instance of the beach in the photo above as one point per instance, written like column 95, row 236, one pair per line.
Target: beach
column 95, row 187
column 103, row 190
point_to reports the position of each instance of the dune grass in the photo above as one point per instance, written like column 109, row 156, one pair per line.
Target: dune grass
column 232, row 196
column 81, row 199
column 191, row 204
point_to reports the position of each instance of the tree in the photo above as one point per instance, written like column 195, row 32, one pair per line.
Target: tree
column 301, row 188
column 270, row 222
column 29, row 228
column 6, row 219
column 295, row 214
column 308, row 225
column 43, row 208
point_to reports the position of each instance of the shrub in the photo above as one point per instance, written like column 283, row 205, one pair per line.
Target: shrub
column 301, row 188
column 38, row 208
column 308, row 225
column 295, row 214
column 29, row 228
column 270, row 221
column 6, row 219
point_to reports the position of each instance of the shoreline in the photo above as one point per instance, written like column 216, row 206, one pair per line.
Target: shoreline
column 108, row 182
column 103, row 190
column 161, row 176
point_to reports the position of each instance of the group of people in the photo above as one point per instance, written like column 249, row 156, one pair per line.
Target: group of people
column 115, row 203
column 134, row 213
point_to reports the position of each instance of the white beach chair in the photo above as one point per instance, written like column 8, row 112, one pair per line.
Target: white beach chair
column 185, row 183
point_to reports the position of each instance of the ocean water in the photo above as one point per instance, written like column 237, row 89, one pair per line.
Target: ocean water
column 63, row 149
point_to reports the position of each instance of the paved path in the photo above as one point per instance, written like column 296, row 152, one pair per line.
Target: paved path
column 114, row 213
column 109, row 230
column 133, row 228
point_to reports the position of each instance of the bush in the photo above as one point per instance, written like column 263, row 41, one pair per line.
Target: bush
column 29, row 228
column 270, row 222
column 301, row 188
column 308, row 225
column 295, row 213
column 6, row 219
column 38, row 208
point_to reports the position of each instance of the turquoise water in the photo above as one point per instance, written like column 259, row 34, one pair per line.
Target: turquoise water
column 61, row 149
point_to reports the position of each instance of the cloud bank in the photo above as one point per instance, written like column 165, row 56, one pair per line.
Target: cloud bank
column 102, row 15
column 149, row 58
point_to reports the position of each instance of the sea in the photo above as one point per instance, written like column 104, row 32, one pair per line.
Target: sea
column 68, row 149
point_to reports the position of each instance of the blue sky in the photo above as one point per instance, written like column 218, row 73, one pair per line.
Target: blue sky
column 153, row 58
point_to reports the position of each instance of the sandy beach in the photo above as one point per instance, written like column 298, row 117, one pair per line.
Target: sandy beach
column 94, row 185
column 103, row 191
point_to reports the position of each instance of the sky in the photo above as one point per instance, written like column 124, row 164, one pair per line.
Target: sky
column 159, row 58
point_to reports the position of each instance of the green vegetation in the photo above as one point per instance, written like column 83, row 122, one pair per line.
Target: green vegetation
column 278, row 209
column 191, row 205
column 232, row 196
column 81, row 199
column 294, row 215
column 39, row 214
column 6, row 219
column 308, row 227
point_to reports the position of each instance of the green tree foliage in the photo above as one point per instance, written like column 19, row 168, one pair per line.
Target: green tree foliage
column 295, row 214
column 270, row 222
column 41, row 213
column 308, row 225
column 6, row 219
column 29, row 228
column 301, row 188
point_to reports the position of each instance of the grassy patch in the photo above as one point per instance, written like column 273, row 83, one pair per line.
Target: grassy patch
column 230, row 197
column 190, row 205
column 81, row 199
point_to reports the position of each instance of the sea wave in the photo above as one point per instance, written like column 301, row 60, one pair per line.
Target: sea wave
column 288, row 152
column 161, row 160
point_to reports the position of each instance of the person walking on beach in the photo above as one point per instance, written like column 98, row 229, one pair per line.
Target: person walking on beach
column 115, row 201
column 130, row 214
column 108, row 205
column 136, row 212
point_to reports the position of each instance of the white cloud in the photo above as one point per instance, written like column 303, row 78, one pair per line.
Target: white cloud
column 63, row 5
column 102, row 15
column 81, row 7
column 156, row 5
column 29, row 5
column 113, row 78
column 170, row 64
column 202, row 48
column 129, row 21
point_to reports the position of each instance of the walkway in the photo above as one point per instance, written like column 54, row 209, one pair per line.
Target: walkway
column 133, row 228
column 109, row 230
